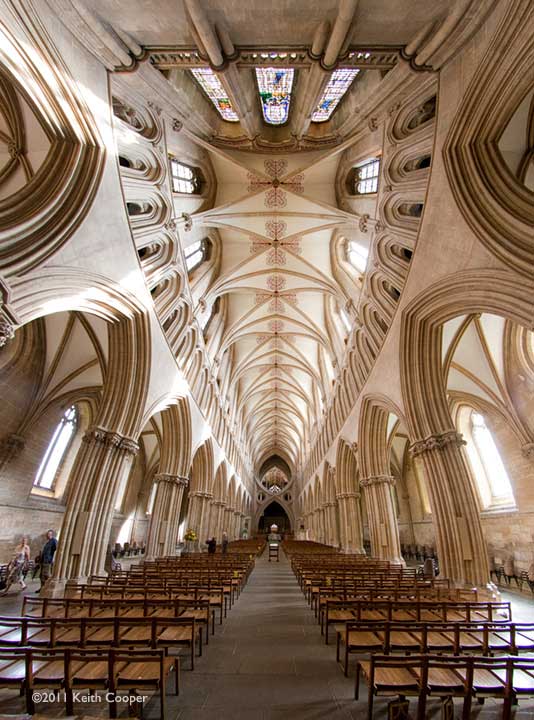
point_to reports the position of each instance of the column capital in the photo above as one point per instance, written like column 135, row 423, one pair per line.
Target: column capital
column 172, row 479
column 200, row 494
column 7, row 329
column 528, row 450
column 437, row 441
column 345, row 495
column 110, row 439
column 377, row 480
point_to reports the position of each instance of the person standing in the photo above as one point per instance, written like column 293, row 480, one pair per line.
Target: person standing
column 224, row 544
column 212, row 546
column 47, row 557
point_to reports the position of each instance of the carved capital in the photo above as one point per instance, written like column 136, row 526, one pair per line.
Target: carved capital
column 438, row 441
column 528, row 450
column 373, row 123
column 331, row 473
column 347, row 495
column 377, row 480
column 111, row 440
column 188, row 221
column 177, row 125
column 363, row 223
column 171, row 225
column 172, row 479
column 7, row 329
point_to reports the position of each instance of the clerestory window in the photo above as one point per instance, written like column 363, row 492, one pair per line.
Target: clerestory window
column 57, row 450
column 185, row 179
column 493, row 483
column 366, row 177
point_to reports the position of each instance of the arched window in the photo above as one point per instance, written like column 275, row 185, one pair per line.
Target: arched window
column 357, row 255
column 366, row 177
column 56, row 450
column 185, row 179
column 490, row 474
column 195, row 254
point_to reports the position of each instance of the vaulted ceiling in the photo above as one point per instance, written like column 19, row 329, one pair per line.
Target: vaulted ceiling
column 275, row 217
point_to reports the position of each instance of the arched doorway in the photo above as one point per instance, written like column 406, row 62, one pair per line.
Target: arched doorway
column 274, row 513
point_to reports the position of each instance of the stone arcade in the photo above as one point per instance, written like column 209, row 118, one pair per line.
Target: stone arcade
column 268, row 260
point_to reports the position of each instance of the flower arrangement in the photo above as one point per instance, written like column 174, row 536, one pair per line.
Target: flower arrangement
column 190, row 535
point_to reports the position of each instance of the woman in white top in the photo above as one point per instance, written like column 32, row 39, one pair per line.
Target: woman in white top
column 17, row 566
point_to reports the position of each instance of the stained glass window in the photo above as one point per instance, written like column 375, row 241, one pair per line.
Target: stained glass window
column 185, row 179
column 340, row 81
column 275, row 86
column 366, row 177
column 56, row 450
column 212, row 86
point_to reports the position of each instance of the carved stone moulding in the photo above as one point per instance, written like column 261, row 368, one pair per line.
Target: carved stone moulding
column 172, row 479
column 438, row 441
column 111, row 440
column 377, row 480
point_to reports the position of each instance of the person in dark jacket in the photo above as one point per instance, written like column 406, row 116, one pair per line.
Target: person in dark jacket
column 212, row 546
column 47, row 557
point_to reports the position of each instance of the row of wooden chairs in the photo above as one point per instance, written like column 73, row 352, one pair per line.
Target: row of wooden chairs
column 337, row 611
column 506, row 678
column 67, row 670
column 116, row 632
column 483, row 637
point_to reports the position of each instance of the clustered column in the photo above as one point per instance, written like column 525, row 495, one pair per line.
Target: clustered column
column 460, row 540
column 383, row 529
column 104, row 459
column 350, row 522
column 163, row 531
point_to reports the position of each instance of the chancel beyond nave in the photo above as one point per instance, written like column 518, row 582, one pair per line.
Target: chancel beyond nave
column 267, row 264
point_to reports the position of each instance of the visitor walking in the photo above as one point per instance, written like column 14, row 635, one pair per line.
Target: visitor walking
column 18, row 567
column 224, row 544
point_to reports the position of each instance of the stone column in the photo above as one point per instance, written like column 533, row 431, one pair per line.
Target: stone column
column 218, row 507
column 204, row 515
column 333, row 538
column 351, row 522
column 228, row 520
column 383, row 527
column 461, row 545
column 103, row 460
column 163, row 530
column 237, row 524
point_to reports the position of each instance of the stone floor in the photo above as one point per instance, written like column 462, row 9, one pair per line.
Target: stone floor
column 269, row 662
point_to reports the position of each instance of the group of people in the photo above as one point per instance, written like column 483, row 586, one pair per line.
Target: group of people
column 20, row 563
column 212, row 544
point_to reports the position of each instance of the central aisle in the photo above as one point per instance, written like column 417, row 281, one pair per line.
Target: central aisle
column 268, row 660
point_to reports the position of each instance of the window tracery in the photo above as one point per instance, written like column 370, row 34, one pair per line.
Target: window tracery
column 366, row 176
column 185, row 179
column 56, row 450
column 195, row 254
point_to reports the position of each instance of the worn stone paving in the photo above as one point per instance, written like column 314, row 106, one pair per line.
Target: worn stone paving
column 269, row 662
